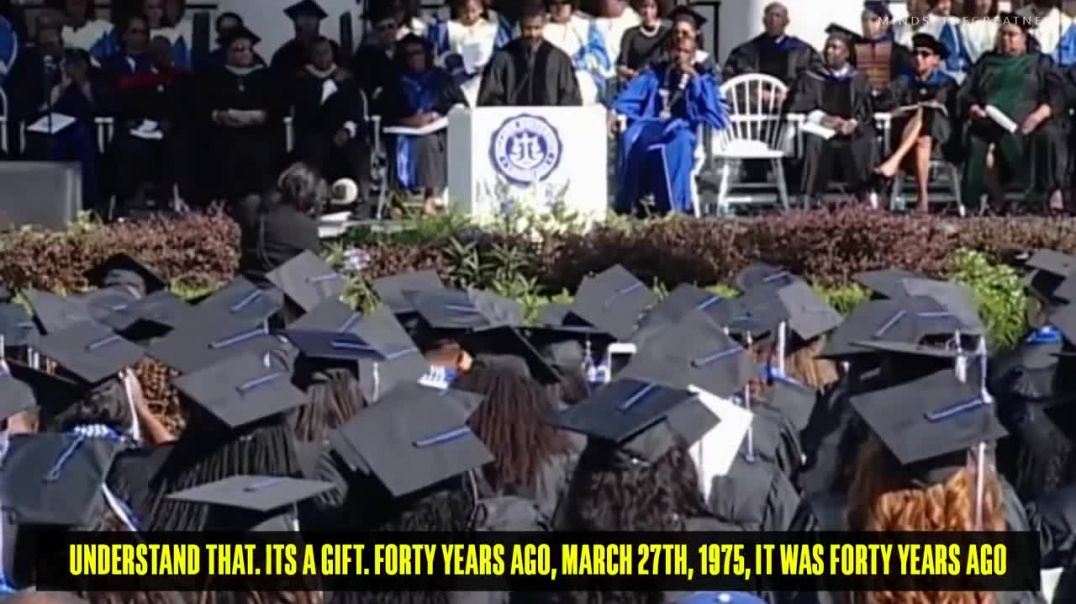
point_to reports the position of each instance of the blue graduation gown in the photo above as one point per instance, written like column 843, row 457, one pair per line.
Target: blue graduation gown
column 656, row 154
column 433, row 90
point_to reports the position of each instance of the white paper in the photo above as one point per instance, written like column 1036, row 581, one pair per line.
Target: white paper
column 475, row 55
column 328, row 88
column 434, row 126
column 58, row 121
column 715, row 452
column 148, row 130
column 818, row 130
column 1000, row 118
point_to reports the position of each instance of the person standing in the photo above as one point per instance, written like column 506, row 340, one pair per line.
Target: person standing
column 643, row 43
column 288, row 61
column 773, row 52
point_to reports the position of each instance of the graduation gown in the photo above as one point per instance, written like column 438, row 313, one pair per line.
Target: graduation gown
column 949, row 31
column 847, row 95
column 1016, row 85
column 638, row 49
column 453, row 40
column 656, row 154
column 515, row 77
column 906, row 92
column 580, row 40
column 785, row 58
column 420, row 161
column 755, row 496
column 979, row 35
column 324, row 105
column 290, row 58
column 374, row 70
column 245, row 157
column 881, row 60
column 95, row 36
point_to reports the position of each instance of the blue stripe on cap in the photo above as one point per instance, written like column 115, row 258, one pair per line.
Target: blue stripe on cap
column 442, row 438
column 897, row 316
column 621, row 292
column 325, row 277
column 263, row 484
column 98, row 344
column 257, row 382
column 346, row 345
column 392, row 356
column 246, row 301
column 708, row 302
column 775, row 276
column 638, row 397
column 937, row 314
column 954, row 410
column 462, row 308
column 238, row 338
column 714, row 357
column 346, row 325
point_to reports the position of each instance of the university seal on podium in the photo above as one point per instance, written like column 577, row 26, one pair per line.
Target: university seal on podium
column 525, row 149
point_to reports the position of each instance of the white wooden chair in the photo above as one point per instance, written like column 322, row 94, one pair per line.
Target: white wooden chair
column 757, row 131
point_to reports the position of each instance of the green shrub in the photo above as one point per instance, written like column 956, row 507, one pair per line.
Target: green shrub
column 999, row 295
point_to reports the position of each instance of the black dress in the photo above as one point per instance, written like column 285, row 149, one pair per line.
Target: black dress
column 849, row 97
column 245, row 157
column 638, row 49
column 517, row 77
column 785, row 58
column 270, row 234
column 937, row 95
column 323, row 107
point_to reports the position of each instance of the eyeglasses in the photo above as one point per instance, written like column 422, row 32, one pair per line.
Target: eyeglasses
column 924, row 54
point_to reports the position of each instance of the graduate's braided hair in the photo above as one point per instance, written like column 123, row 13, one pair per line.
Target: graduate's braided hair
column 335, row 397
column 104, row 403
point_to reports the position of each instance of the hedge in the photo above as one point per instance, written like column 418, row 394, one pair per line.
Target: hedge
column 536, row 263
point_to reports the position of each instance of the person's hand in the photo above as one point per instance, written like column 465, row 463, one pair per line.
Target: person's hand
column 847, row 127
column 626, row 72
column 1031, row 122
column 831, row 121
column 341, row 137
column 977, row 112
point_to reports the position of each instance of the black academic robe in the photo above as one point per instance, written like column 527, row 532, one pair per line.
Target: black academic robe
column 290, row 58
column 271, row 233
column 245, row 158
column 882, row 61
column 786, row 58
column 27, row 87
column 545, row 79
column 374, row 70
column 848, row 97
column 317, row 120
column 907, row 92
column 638, row 50
column 755, row 496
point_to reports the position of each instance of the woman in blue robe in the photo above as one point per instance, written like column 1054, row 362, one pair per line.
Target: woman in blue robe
column 665, row 105
column 420, row 95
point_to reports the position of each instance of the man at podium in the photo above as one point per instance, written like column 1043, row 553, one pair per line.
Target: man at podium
column 530, row 71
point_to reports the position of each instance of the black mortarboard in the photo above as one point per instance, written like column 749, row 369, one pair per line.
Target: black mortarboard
column 809, row 316
column 242, row 299
column 834, row 29
column 344, row 346
column 307, row 280
column 566, row 347
column 675, row 306
column 1052, row 262
column 16, row 389
column 642, row 419
column 878, row 7
column 241, row 389
column 330, row 315
column 90, row 351
column 923, row 421
column 138, row 318
column 305, row 8
column 122, row 269
column 56, row 479
column 1025, row 23
column 52, row 392
column 1049, row 271
column 239, row 32
column 391, row 289
column 267, row 497
column 955, row 297
column 53, row 312
column 381, row 329
column 762, row 275
column 1066, row 290
column 888, row 283
column 455, row 309
column 686, row 13
column 16, row 326
column 108, row 306
column 6, row 295
column 756, row 313
column 1064, row 319
column 553, row 313
column 193, row 347
column 612, row 301
column 796, row 401
column 694, row 352
column 930, row 43
column 904, row 320
column 509, row 341
column 410, row 441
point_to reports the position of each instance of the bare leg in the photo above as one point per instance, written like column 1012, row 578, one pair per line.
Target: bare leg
column 923, row 149
column 1056, row 202
column 908, row 140
column 994, row 189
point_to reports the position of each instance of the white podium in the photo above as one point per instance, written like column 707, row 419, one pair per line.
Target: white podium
column 502, row 159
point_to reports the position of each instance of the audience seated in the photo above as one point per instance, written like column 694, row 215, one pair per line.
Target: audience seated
column 373, row 61
column 578, row 37
column 979, row 27
column 218, row 56
column 464, row 44
column 643, row 43
column 772, row 52
column 82, row 29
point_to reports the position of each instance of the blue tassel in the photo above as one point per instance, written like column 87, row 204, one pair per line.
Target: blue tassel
column 246, row 301
column 717, row 356
column 639, row 396
column 954, row 410
column 54, row 474
column 259, row 381
column 442, row 438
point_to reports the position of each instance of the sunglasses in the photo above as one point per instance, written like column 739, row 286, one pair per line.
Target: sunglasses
column 925, row 54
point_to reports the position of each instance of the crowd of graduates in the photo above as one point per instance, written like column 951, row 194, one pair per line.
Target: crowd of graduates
column 443, row 410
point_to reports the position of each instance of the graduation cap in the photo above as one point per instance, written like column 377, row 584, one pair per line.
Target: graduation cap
column 242, row 299
column 929, row 42
column 307, row 280
column 55, row 479
column 852, row 37
column 124, row 270
column 509, row 341
column 553, row 313
column 90, row 351
column 391, row 289
column 612, row 301
column 1049, row 271
column 694, row 352
column 887, row 283
column 565, row 348
column 16, row 326
column 411, row 440
column 929, row 423
column 454, row 309
column 239, row 32
column 17, row 392
column 809, row 316
column 382, row 330
column 905, row 320
column 641, row 419
column 241, row 389
column 53, row 312
column 331, row 315
column 1064, row 319
column 269, row 499
column 688, row 14
column 193, row 347
column 343, row 346
column 305, row 8
column 907, row 330
column 761, row 275
column 675, row 306
column 878, row 7
column 796, row 401
column 955, row 297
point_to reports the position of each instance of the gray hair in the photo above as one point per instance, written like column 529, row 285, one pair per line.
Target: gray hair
column 300, row 185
